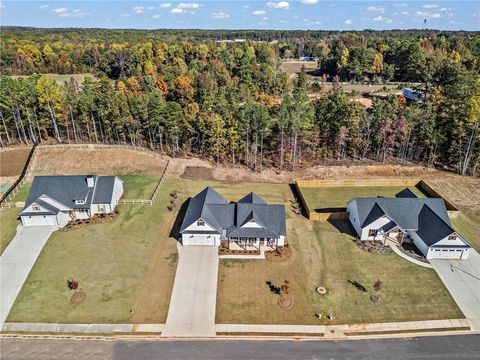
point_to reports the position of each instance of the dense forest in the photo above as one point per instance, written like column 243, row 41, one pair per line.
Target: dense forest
column 192, row 92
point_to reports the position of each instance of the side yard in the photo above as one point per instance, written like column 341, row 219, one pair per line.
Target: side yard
column 126, row 268
column 323, row 254
column 8, row 226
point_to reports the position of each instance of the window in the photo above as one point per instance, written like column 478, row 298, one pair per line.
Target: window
column 35, row 208
column 79, row 201
column 200, row 223
column 84, row 211
column 452, row 237
column 372, row 232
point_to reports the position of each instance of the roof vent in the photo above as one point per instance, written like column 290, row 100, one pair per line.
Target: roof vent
column 90, row 181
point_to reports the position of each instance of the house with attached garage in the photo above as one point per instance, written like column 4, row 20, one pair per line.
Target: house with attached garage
column 425, row 222
column 56, row 200
column 250, row 223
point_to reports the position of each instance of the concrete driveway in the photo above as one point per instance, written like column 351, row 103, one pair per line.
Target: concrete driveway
column 16, row 262
column 462, row 279
column 192, row 305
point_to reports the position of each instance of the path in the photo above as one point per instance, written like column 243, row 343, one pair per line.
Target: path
column 397, row 251
column 462, row 279
column 16, row 262
column 193, row 301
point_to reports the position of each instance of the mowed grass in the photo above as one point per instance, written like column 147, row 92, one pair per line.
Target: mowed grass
column 469, row 229
column 8, row 226
column 323, row 255
column 138, row 186
column 126, row 264
column 337, row 197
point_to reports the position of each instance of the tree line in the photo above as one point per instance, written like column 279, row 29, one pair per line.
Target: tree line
column 230, row 102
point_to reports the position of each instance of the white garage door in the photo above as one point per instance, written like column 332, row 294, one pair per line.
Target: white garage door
column 447, row 254
column 200, row 240
column 39, row 220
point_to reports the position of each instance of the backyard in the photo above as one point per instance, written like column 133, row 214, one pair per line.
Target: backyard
column 323, row 254
column 126, row 268
column 337, row 196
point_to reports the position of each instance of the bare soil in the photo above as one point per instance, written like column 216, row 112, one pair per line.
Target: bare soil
column 278, row 255
column 12, row 161
column 198, row 173
column 96, row 161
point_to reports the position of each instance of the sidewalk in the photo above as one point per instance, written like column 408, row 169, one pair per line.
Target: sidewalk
column 397, row 251
column 341, row 331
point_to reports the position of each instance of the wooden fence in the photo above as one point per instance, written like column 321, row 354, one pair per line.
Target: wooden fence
column 342, row 214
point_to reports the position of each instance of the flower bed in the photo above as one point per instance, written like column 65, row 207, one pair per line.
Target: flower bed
column 373, row 247
column 96, row 219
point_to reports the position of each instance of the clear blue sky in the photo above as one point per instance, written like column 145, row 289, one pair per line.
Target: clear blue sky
column 298, row 14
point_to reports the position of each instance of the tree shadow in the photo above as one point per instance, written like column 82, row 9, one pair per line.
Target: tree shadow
column 358, row 286
column 344, row 226
column 175, row 232
column 274, row 289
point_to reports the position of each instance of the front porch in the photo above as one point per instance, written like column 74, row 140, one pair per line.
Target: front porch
column 246, row 244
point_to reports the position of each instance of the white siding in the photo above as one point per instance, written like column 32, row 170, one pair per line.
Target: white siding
column 446, row 241
column 201, row 239
column 377, row 224
column 195, row 227
column 281, row 241
column 30, row 208
column 251, row 224
column 117, row 193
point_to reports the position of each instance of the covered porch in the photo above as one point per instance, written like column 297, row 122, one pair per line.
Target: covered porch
column 249, row 243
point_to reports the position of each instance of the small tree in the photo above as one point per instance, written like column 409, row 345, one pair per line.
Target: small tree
column 377, row 285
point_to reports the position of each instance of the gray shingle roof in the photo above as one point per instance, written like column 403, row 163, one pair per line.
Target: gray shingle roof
column 404, row 211
column 375, row 213
column 68, row 188
column 406, row 193
column 431, row 228
column 389, row 226
column 228, row 219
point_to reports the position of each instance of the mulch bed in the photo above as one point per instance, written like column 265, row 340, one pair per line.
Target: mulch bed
column 78, row 297
column 96, row 219
column 280, row 254
column 285, row 301
column 373, row 247
column 411, row 250
column 224, row 250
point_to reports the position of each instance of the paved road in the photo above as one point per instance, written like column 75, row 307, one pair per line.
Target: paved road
column 194, row 295
column 16, row 262
column 441, row 347
column 462, row 279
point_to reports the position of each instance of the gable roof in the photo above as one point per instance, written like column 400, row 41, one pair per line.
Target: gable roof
column 228, row 219
column 68, row 188
column 252, row 198
column 375, row 213
column 406, row 193
column 404, row 211
column 431, row 228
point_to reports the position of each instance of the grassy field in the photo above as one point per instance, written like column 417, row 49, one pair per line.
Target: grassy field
column 325, row 256
column 8, row 226
column 337, row 197
column 128, row 263
column 468, row 228
column 138, row 186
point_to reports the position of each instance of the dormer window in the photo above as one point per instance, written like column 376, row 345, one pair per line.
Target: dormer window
column 79, row 202
column 200, row 223
column 35, row 208
column 452, row 237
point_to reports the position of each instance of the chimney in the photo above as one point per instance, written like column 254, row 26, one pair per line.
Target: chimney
column 90, row 181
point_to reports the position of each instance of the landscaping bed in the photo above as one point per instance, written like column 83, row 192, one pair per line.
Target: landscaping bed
column 282, row 253
column 95, row 219
column 224, row 250
column 373, row 247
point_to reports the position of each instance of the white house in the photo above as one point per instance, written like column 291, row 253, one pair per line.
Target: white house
column 425, row 221
column 55, row 200
column 249, row 223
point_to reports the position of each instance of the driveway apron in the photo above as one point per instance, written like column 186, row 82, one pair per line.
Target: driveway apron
column 16, row 262
column 462, row 279
column 192, row 305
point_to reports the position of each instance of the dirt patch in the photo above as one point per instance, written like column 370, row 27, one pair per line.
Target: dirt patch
column 12, row 161
column 96, row 161
column 78, row 297
column 198, row 173
column 280, row 254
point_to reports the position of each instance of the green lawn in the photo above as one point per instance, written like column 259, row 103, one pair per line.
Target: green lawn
column 324, row 256
column 337, row 197
column 138, row 186
column 128, row 263
column 468, row 228
column 23, row 193
column 8, row 226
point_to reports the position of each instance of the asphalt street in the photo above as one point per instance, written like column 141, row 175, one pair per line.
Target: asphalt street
column 428, row 347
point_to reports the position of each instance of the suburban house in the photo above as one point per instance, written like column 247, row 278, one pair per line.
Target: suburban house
column 249, row 223
column 55, row 200
column 424, row 221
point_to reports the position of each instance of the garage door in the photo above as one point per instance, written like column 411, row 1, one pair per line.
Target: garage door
column 447, row 254
column 39, row 220
column 201, row 240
